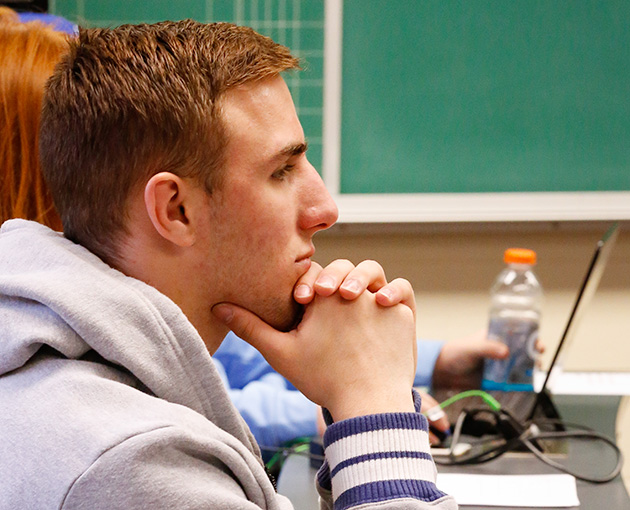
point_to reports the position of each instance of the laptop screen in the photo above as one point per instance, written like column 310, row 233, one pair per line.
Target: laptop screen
column 588, row 287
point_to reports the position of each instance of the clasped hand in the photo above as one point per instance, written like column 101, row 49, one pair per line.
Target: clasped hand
column 354, row 351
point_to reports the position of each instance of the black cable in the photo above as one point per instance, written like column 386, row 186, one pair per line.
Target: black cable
column 510, row 435
column 521, row 435
column 584, row 434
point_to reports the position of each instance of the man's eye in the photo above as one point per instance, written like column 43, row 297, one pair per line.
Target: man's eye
column 282, row 173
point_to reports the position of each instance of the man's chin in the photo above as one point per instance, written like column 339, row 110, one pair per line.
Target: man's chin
column 289, row 319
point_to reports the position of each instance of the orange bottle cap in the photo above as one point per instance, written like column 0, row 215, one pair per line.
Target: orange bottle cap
column 519, row 256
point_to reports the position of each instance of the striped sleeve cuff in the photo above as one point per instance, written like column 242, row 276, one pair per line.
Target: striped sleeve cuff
column 379, row 457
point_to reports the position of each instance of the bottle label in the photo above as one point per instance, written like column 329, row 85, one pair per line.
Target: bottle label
column 516, row 372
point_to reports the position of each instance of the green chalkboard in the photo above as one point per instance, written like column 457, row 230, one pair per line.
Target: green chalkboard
column 485, row 96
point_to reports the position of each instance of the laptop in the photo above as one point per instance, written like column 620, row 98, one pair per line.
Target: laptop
column 528, row 405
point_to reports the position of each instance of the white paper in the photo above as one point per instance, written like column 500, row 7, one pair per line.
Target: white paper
column 536, row 491
column 592, row 383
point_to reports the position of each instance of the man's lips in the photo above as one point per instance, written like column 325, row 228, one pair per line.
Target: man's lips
column 304, row 264
column 304, row 261
column 306, row 255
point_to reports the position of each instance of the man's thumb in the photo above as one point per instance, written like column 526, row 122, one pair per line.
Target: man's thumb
column 250, row 328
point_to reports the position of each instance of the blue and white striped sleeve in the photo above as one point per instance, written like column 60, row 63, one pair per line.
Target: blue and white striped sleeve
column 378, row 458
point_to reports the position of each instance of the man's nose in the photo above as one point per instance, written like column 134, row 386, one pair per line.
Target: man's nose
column 319, row 210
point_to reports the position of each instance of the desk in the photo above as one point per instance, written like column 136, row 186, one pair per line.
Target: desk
column 296, row 479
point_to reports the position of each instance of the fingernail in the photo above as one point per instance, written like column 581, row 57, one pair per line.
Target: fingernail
column 387, row 293
column 223, row 313
column 302, row 291
column 326, row 282
column 351, row 285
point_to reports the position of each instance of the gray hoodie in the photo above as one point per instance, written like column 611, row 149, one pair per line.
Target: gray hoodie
column 109, row 398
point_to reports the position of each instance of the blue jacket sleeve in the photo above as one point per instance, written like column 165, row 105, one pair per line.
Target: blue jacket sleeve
column 428, row 352
column 273, row 409
column 242, row 362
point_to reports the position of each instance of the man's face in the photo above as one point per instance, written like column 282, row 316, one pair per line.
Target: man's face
column 267, row 208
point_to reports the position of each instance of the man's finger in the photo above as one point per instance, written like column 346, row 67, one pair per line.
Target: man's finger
column 397, row 291
column 332, row 276
column 303, row 291
column 367, row 275
column 248, row 326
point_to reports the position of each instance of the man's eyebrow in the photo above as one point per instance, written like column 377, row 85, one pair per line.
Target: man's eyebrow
column 292, row 150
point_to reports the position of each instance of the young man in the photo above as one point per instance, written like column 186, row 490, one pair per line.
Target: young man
column 178, row 167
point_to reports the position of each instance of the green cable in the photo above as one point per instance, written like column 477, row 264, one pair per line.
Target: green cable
column 296, row 445
column 486, row 397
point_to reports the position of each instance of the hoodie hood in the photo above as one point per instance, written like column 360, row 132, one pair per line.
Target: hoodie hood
column 56, row 293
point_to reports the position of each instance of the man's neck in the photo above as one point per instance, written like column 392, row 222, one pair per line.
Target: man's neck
column 154, row 261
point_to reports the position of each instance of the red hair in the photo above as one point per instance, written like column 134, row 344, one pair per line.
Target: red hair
column 28, row 55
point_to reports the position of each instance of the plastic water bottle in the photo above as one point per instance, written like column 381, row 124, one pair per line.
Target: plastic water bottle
column 516, row 297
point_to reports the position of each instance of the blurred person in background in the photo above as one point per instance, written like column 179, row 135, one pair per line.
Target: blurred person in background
column 28, row 54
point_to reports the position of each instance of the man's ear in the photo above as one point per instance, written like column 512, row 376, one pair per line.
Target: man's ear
column 166, row 198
